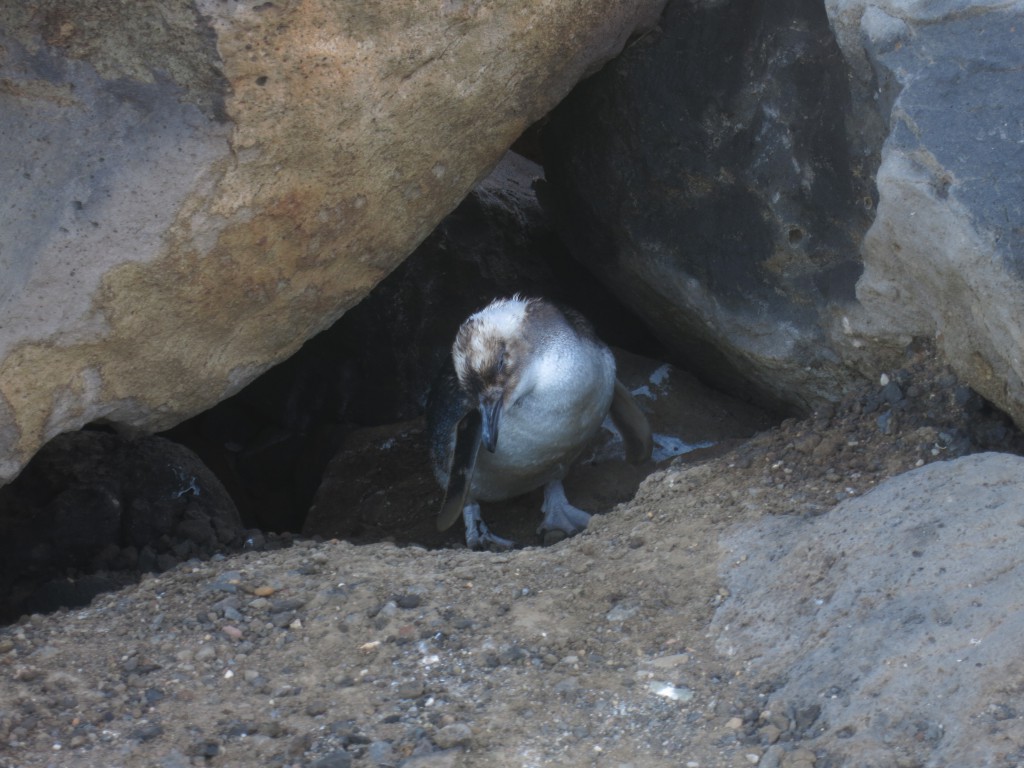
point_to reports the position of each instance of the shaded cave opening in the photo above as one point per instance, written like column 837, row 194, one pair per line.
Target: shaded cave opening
column 368, row 376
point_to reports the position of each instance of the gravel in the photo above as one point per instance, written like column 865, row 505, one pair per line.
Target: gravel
column 597, row 651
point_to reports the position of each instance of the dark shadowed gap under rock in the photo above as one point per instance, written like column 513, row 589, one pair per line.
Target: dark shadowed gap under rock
column 271, row 442
column 93, row 509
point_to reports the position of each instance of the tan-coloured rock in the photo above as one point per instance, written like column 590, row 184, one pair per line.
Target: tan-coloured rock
column 192, row 189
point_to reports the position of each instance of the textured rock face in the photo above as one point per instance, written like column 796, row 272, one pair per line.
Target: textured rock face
column 715, row 177
column 724, row 172
column 102, row 506
column 191, row 189
column 945, row 255
column 918, row 584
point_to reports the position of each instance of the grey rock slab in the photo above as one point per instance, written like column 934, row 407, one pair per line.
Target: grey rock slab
column 714, row 177
column 898, row 613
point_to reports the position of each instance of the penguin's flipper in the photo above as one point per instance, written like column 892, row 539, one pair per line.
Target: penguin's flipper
column 468, row 434
column 632, row 425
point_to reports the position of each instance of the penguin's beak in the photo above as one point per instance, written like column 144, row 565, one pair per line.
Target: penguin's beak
column 490, row 410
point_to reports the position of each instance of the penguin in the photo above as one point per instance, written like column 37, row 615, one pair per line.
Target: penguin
column 525, row 389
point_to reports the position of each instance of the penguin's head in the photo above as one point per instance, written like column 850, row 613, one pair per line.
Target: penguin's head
column 489, row 352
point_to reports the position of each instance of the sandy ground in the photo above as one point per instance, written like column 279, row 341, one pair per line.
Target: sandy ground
column 597, row 651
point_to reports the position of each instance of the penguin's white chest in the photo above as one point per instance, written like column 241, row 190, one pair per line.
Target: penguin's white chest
column 543, row 430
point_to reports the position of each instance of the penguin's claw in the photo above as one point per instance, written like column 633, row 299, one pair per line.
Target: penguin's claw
column 559, row 514
column 479, row 536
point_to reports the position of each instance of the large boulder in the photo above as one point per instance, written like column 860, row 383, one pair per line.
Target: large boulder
column 94, row 509
column 945, row 255
column 791, row 193
column 716, row 178
column 192, row 189
column 888, row 631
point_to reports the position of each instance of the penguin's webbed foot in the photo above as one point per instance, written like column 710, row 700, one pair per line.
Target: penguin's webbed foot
column 478, row 535
column 561, row 519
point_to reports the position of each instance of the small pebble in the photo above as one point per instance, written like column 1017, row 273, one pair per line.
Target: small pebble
column 147, row 732
column 154, row 695
column 286, row 604
column 411, row 689
column 27, row 674
column 408, row 602
column 316, row 708
column 381, row 753
column 337, row 759
column 454, row 735
column 669, row 691
column 232, row 614
column 622, row 612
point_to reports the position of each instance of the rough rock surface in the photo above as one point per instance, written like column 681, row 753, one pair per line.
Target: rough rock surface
column 94, row 509
column 599, row 651
column 893, row 622
column 712, row 176
column 945, row 255
column 192, row 189
column 730, row 201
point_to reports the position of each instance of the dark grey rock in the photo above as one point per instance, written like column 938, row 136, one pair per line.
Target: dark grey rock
column 337, row 759
column 94, row 499
column 408, row 601
column 711, row 178
column 316, row 708
column 147, row 732
column 285, row 604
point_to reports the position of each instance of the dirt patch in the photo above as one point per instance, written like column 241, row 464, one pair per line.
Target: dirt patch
column 596, row 651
